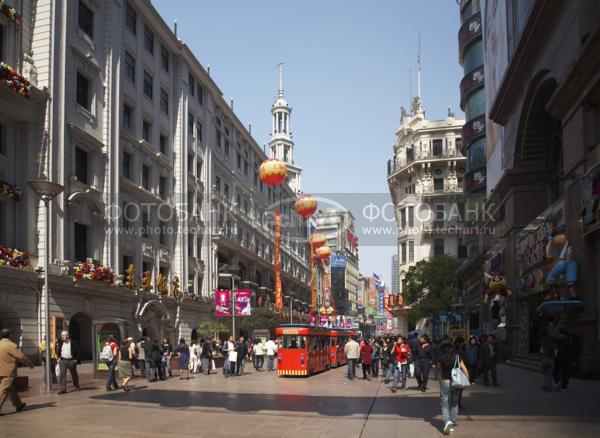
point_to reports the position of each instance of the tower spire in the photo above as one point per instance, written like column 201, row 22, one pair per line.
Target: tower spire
column 280, row 66
column 419, row 69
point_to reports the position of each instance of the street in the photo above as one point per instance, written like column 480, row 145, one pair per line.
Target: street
column 325, row 405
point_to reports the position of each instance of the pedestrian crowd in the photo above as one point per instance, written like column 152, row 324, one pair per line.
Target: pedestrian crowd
column 395, row 359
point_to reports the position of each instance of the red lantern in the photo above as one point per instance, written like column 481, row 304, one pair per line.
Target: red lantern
column 317, row 240
column 323, row 252
column 272, row 172
column 305, row 205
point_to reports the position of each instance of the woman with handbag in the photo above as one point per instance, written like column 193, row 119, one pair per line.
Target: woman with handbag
column 454, row 377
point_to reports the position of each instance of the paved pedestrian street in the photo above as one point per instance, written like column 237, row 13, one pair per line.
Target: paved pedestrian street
column 325, row 405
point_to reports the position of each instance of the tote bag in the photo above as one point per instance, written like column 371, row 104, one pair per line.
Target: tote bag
column 459, row 380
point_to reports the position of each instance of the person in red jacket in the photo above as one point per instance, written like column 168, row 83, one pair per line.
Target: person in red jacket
column 366, row 351
column 402, row 351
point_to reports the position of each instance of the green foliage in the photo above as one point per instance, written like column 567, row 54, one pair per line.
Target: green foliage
column 262, row 318
column 212, row 328
column 431, row 287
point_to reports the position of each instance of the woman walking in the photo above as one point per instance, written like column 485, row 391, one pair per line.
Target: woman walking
column 125, row 367
column 402, row 351
column 366, row 350
column 184, row 360
column 449, row 395
column 473, row 358
column 375, row 358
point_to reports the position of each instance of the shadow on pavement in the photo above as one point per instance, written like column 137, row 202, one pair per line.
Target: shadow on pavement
column 32, row 407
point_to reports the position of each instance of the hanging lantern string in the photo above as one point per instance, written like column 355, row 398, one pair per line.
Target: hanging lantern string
column 331, row 302
column 312, row 273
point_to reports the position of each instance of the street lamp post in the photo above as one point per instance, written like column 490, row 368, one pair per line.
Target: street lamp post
column 46, row 191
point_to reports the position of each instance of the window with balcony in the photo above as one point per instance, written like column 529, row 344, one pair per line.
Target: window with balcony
column 130, row 19
column 199, row 131
column 148, row 85
column 411, row 250
column 129, row 65
column 162, row 187
column 458, row 143
column 164, row 101
column 163, row 144
column 198, row 168
column 127, row 116
column 80, row 240
column 438, row 184
column 245, row 168
column 218, row 184
column 239, row 160
column 148, row 40
column 438, row 148
column 127, row 165
column 226, row 191
column 200, row 96
column 462, row 249
column 147, row 131
column 190, row 164
column 164, row 58
column 81, row 165
column 438, row 247
column 85, row 19
column 83, row 92
column 403, row 218
column 238, row 200
column 146, row 177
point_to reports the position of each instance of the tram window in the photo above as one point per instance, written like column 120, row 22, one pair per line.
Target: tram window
column 322, row 343
column 313, row 343
column 294, row 342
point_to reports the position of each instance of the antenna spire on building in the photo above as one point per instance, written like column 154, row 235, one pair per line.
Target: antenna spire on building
column 419, row 69
column 280, row 66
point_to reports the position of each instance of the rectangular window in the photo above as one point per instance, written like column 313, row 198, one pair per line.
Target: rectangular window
column 145, row 225
column 226, row 191
column 440, row 214
column 191, row 124
column 218, row 184
column 127, row 165
column 403, row 251
column 218, row 139
column 164, row 58
column 162, row 237
column 403, row 218
column 80, row 240
column 146, row 130
column 239, row 160
column 411, row 216
column 85, row 19
column 130, row 19
column 190, row 164
column 462, row 249
column 199, row 131
column 200, row 95
column 198, row 167
column 411, row 250
column 148, row 40
column 148, row 85
column 458, row 143
column 226, row 150
column 163, row 144
column 190, row 200
column 461, row 212
column 438, row 247
column 83, row 91
column 245, row 168
column 438, row 147
column 146, row 177
column 438, row 184
column 191, row 84
column 129, row 67
column 127, row 117
column 255, row 178
column 164, row 101
column 81, row 165
column 162, row 187
column 238, row 200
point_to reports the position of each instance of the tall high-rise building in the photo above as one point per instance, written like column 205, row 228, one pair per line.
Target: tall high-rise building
column 395, row 275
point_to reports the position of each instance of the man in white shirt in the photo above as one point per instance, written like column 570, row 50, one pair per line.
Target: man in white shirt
column 271, row 348
column 67, row 350
column 352, row 350
column 259, row 354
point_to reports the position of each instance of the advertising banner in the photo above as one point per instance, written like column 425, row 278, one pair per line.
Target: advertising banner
column 243, row 303
column 338, row 261
column 222, row 303
column 278, row 291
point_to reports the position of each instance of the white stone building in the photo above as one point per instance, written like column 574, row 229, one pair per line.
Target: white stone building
column 157, row 169
column 425, row 178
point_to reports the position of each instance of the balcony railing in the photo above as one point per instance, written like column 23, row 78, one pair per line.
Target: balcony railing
column 399, row 163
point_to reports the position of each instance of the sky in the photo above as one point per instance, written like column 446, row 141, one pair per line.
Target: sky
column 346, row 75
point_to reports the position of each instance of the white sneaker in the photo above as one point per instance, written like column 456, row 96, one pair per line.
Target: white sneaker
column 448, row 428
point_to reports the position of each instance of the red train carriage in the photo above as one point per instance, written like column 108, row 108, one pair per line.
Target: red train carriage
column 338, row 340
column 304, row 350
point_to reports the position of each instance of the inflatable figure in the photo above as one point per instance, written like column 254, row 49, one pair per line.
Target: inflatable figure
column 562, row 267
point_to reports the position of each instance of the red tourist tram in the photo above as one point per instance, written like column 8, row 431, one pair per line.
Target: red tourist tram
column 305, row 350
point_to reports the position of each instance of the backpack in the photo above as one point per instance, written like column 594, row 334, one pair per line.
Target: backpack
column 106, row 355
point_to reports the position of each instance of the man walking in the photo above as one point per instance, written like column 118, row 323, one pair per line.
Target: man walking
column 150, row 350
column 67, row 350
column 10, row 354
column 352, row 351
column 242, row 352
column 259, row 354
column 271, row 348
column 141, row 357
column 489, row 359
column 111, row 379
column 423, row 357
column 206, row 356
